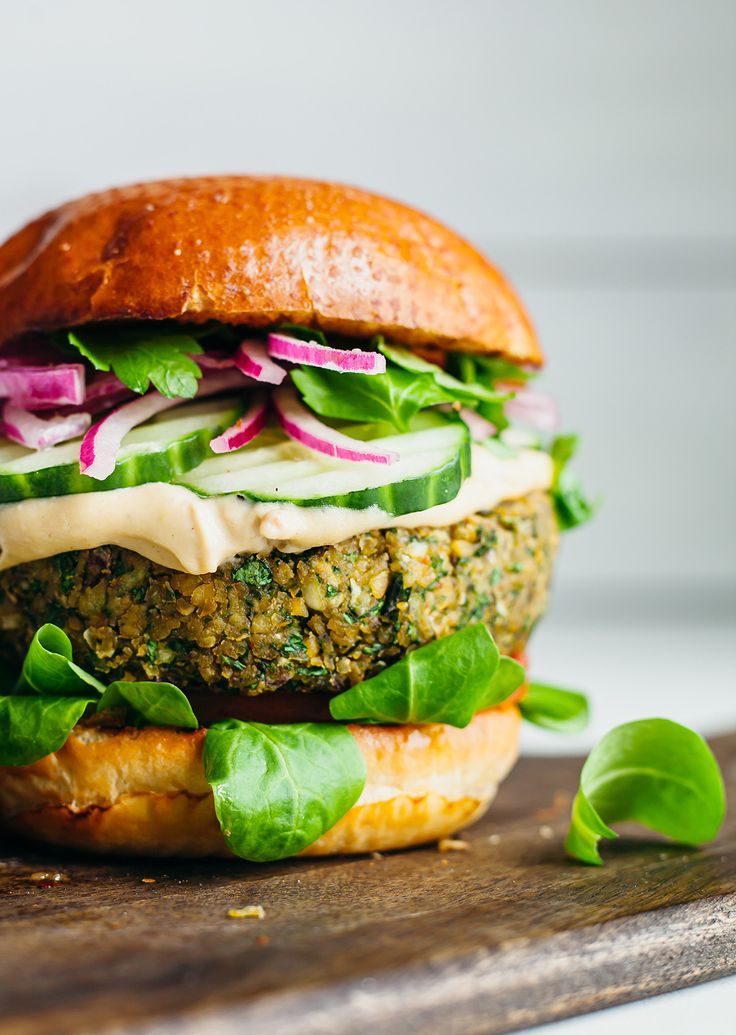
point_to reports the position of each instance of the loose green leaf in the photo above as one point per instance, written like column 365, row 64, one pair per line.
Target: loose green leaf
column 448, row 680
column 564, row 711
column 394, row 397
column 571, row 504
column 32, row 727
column 277, row 789
column 151, row 704
column 471, row 391
column 494, row 369
column 654, row 772
column 48, row 667
column 141, row 356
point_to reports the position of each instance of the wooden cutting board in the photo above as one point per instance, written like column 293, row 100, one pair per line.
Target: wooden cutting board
column 500, row 936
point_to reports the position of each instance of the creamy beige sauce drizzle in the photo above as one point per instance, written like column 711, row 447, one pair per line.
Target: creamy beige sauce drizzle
column 172, row 526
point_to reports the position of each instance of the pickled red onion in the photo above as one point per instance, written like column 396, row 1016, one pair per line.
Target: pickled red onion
column 313, row 354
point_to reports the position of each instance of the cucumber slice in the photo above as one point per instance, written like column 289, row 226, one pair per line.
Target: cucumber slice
column 157, row 451
column 434, row 461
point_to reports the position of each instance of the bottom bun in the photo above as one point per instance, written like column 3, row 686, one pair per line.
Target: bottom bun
column 143, row 791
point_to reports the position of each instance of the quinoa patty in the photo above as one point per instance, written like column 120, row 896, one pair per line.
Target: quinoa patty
column 319, row 620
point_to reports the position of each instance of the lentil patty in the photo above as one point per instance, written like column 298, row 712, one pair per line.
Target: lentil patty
column 319, row 620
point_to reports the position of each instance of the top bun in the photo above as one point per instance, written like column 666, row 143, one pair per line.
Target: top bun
column 257, row 250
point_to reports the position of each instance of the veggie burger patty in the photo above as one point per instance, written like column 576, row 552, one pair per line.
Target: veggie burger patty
column 319, row 620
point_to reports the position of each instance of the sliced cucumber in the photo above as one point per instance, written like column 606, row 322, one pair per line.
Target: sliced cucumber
column 157, row 451
column 435, row 458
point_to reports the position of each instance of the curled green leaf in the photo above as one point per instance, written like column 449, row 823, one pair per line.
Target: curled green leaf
column 48, row 667
column 654, row 772
column 565, row 711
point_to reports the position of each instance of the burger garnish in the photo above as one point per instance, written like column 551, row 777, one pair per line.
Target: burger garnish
column 271, row 453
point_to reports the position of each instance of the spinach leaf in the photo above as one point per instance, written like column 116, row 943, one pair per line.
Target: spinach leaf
column 458, row 390
column 564, row 711
column 448, row 680
column 48, row 667
column 141, row 356
column 655, row 772
column 152, row 704
column 277, row 789
column 494, row 369
column 34, row 726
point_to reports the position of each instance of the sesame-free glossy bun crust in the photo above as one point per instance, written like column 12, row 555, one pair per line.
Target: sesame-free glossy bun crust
column 143, row 791
column 255, row 251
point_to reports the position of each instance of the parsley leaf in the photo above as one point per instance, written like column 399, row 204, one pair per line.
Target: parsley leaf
column 141, row 356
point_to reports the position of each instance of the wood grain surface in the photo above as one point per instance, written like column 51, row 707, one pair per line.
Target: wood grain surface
column 499, row 936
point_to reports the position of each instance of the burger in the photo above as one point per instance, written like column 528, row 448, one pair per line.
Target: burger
column 278, row 513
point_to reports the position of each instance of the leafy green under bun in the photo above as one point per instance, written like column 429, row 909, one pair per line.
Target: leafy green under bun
column 448, row 680
column 654, row 772
column 277, row 789
column 564, row 711
column 32, row 727
column 150, row 704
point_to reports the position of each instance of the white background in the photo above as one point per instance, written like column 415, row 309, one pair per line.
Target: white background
column 589, row 148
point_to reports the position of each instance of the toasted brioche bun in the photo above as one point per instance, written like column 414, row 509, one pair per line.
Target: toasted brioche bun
column 254, row 251
column 143, row 792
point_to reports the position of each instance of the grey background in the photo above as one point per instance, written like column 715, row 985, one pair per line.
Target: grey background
column 589, row 148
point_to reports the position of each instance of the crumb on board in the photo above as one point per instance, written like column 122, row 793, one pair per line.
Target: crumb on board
column 52, row 877
column 247, row 913
column 546, row 832
column 377, row 855
column 494, row 839
column 148, row 880
column 452, row 844
column 262, row 939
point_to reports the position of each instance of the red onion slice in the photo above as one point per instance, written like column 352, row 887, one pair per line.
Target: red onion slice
column 303, row 427
column 214, row 361
column 244, row 430
column 253, row 359
column 478, row 426
column 37, row 388
column 27, row 429
column 535, row 409
column 312, row 354
column 101, row 445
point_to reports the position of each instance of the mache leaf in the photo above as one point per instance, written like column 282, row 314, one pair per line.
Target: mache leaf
column 448, row 680
column 34, row 726
column 151, row 704
column 277, row 789
column 48, row 667
column 654, row 772
column 552, row 708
